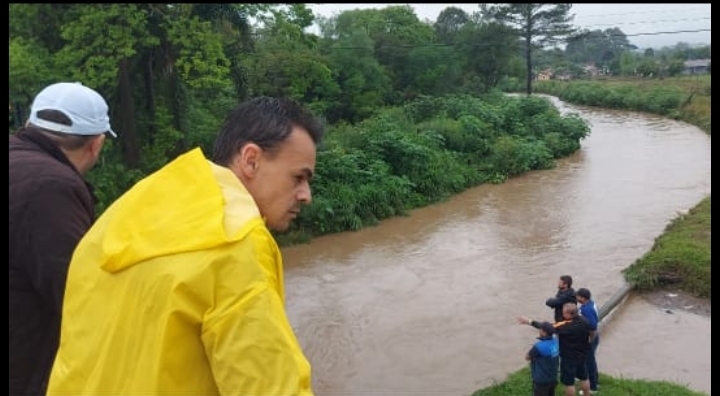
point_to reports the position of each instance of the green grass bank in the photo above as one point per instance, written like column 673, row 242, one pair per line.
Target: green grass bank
column 519, row 383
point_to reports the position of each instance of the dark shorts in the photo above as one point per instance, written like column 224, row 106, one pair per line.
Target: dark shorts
column 544, row 389
column 572, row 368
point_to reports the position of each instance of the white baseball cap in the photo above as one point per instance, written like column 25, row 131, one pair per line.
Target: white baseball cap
column 86, row 108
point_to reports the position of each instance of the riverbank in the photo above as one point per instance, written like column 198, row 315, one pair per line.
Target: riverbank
column 685, row 98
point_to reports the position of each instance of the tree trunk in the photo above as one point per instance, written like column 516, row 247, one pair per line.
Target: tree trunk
column 128, row 130
column 528, row 63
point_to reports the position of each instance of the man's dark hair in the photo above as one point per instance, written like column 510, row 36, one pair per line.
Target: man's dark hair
column 65, row 141
column 567, row 279
column 584, row 293
column 266, row 122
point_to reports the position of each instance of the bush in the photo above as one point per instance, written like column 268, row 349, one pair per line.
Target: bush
column 428, row 149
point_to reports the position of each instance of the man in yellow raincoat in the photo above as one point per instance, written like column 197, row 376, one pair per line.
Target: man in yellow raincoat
column 178, row 287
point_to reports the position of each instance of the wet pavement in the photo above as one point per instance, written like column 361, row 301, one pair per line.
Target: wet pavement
column 648, row 341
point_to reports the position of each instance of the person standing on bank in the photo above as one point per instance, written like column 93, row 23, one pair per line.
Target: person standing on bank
column 51, row 208
column 565, row 294
column 589, row 310
column 544, row 361
column 574, row 334
column 178, row 287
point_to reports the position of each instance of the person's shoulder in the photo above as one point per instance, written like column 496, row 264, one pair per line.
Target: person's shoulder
column 583, row 320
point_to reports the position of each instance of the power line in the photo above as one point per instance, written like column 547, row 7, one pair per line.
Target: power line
column 683, row 10
column 437, row 45
column 673, row 32
column 645, row 12
column 647, row 22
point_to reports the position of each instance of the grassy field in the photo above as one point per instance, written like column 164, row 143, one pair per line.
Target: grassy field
column 680, row 255
column 695, row 109
column 686, row 98
column 518, row 384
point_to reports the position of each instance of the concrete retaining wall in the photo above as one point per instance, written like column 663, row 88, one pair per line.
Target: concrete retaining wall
column 605, row 313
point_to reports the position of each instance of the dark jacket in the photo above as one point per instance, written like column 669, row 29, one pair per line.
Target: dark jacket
column 51, row 208
column 574, row 337
column 557, row 302
column 544, row 360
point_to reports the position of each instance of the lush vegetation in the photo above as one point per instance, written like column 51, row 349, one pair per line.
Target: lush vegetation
column 684, row 98
column 412, row 105
column 413, row 115
column 433, row 147
column 519, row 383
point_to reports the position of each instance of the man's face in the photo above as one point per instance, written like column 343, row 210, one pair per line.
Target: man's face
column 561, row 285
column 281, row 183
column 581, row 300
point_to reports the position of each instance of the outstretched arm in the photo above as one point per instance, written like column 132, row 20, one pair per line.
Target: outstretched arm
column 524, row 320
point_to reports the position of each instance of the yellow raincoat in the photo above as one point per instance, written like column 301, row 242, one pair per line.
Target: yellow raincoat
column 178, row 289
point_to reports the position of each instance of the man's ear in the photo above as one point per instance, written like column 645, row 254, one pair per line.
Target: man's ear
column 246, row 161
column 96, row 145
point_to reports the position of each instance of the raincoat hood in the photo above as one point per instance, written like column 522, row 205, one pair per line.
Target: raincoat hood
column 179, row 208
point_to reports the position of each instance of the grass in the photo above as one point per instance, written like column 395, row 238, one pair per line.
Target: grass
column 695, row 109
column 679, row 256
column 519, row 384
column 691, row 93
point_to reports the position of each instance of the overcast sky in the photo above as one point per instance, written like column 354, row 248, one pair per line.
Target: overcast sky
column 632, row 19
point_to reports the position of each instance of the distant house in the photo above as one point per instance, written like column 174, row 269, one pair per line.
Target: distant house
column 696, row 66
column 545, row 75
column 593, row 71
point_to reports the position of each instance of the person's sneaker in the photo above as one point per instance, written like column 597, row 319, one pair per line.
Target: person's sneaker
column 592, row 392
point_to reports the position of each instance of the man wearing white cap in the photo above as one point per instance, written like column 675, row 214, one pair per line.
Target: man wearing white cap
column 51, row 208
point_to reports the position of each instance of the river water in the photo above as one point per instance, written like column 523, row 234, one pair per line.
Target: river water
column 426, row 304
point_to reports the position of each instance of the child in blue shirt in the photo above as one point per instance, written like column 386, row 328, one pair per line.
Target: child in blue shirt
column 544, row 358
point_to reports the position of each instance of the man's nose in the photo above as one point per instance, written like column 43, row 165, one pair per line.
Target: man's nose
column 305, row 193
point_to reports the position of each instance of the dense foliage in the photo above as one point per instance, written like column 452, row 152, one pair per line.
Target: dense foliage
column 410, row 103
column 433, row 147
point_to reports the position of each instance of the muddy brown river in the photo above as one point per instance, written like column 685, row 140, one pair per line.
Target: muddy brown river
column 426, row 304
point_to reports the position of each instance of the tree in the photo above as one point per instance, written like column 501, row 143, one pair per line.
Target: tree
column 488, row 48
column 539, row 25
column 449, row 23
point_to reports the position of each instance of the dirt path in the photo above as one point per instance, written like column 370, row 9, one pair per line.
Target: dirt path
column 663, row 335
